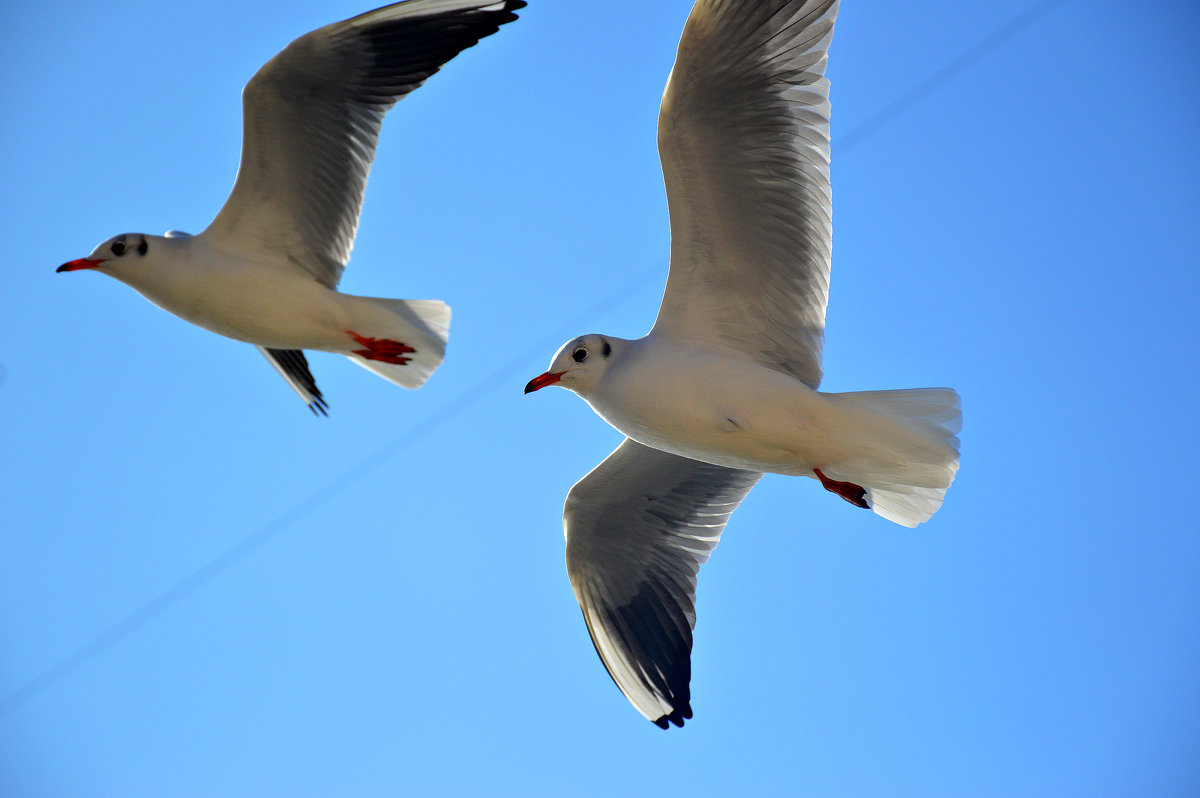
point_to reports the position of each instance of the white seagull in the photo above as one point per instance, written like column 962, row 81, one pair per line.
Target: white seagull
column 266, row 269
column 724, row 387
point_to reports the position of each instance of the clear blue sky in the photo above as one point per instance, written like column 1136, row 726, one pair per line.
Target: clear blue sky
column 401, row 622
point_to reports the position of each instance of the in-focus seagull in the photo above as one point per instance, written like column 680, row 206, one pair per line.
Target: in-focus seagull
column 266, row 269
column 724, row 387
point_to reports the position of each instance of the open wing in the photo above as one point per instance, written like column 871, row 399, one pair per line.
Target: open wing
column 311, row 119
column 292, row 365
column 638, row 527
column 743, row 134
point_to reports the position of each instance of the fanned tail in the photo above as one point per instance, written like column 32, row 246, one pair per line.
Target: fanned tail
column 913, row 438
column 401, row 340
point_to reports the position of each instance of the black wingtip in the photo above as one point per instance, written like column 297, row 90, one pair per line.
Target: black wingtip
column 318, row 403
column 294, row 365
column 502, row 15
column 677, row 716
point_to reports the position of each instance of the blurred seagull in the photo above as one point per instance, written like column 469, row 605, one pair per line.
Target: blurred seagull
column 266, row 270
column 723, row 388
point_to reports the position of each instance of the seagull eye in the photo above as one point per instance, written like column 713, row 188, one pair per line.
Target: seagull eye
column 118, row 248
column 580, row 355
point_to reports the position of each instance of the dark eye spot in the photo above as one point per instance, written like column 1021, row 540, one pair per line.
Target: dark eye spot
column 579, row 354
column 143, row 247
column 607, row 350
column 118, row 248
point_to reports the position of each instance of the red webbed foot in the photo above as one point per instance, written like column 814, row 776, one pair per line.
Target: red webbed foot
column 855, row 494
column 384, row 350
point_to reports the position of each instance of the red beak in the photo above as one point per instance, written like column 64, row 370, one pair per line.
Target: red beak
column 82, row 263
column 542, row 380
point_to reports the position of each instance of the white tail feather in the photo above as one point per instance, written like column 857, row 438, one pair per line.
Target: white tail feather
column 913, row 450
column 423, row 324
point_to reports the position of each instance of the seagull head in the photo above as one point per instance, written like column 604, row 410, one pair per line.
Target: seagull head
column 116, row 256
column 579, row 364
column 149, row 264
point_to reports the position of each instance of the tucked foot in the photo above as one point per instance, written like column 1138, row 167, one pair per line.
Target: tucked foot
column 382, row 349
column 855, row 494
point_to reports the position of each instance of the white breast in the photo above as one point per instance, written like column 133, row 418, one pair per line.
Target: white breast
column 717, row 408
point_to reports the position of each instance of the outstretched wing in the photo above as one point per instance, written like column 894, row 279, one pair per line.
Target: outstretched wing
column 311, row 119
column 743, row 134
column 292, row 365
column 638, row 527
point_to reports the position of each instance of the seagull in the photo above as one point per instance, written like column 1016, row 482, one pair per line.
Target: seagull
column 266, row 269
column 724, row 386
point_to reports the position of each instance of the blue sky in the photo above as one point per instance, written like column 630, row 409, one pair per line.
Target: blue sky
column 395, row 617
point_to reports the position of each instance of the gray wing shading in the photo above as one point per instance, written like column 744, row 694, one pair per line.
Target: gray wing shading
column 292, row 365
column 311, row 120
column 638, row 527
column 743, row 135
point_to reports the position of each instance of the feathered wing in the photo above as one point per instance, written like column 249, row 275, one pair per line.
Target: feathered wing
column 311, row 120
column 292, row 365
column 638, row 527
column 743, row 134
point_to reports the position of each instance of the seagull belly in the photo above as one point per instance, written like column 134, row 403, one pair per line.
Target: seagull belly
column 262, row 305
column 726, row 411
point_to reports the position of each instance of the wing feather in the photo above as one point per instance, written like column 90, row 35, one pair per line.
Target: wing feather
column 743, row 135
column 638, row 527
column 292, row 365
column 311, row 120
